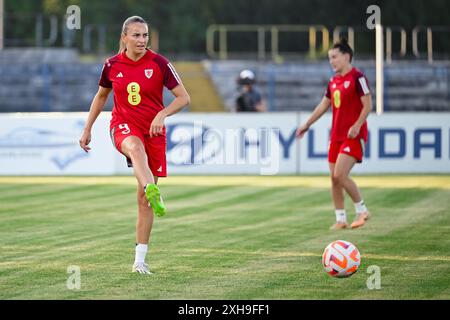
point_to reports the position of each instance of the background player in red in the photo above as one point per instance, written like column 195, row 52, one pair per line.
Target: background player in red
column 137, row 76
column 349, row 94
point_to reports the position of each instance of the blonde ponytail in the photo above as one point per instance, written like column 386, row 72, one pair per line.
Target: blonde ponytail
column 127, row 22
column 121, row 45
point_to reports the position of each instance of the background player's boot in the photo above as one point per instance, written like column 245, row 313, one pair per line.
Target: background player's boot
column 141, row 268
column 339, row 225
column 155, row 200
column 360, row 220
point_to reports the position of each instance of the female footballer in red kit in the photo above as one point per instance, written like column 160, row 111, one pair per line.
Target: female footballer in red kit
column 349, row 94
column 137, row 76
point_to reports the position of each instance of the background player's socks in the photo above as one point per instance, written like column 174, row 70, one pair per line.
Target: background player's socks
column 341, row 216
column 141, row 252
column 360, row 207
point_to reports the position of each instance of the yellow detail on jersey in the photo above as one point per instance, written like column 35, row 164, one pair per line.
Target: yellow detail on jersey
column 134, row 98
column 337, row 98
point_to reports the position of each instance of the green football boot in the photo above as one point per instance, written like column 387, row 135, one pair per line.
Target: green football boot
column 155, row 200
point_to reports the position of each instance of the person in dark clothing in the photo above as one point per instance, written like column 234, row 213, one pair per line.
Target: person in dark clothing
column 249, row 99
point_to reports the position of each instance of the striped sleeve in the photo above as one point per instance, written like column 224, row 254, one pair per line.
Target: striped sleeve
column 362, row 85
column 171, row 79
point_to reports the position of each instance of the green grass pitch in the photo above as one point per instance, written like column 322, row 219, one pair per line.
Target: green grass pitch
column 223, row 238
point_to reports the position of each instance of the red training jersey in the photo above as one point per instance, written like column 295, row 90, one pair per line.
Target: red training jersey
column 345, row 93
column 138, row 86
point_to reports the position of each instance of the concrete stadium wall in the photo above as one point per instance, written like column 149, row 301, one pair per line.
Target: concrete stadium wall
column 47, row 144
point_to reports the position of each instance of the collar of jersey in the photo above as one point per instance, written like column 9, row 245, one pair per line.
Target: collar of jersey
column 140, row 60
column 338, row 76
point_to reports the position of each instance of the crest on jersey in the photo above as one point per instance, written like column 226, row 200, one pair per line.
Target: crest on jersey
column 346, row 84
column 148, row 73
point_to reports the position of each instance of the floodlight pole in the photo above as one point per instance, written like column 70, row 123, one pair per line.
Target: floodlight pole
column 379, row 69
column 1, row 24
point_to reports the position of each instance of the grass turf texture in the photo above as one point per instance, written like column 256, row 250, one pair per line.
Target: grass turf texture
column 222, row 238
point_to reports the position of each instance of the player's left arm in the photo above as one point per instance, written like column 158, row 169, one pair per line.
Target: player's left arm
column 365, row 111
column 181, row 100
column 362, row 87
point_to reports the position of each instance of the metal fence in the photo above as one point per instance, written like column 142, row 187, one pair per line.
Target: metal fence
column 424, row 42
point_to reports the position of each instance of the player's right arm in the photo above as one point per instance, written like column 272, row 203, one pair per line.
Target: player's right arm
column 321, row 108
column 97, row 105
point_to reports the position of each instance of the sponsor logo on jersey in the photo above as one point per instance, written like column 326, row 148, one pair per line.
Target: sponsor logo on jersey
column 347, row 149
column 334, row 86
column 159, row 169
column 148, row 73
column 119, row 75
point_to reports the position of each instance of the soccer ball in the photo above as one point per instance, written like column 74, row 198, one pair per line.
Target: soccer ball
column 341, row 259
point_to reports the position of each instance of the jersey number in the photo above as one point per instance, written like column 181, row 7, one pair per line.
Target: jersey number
column 125, row 129
column 337, row 98
column 134, row 98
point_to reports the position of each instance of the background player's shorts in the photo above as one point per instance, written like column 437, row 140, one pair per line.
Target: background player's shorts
column 155, row 147
column 351, row 147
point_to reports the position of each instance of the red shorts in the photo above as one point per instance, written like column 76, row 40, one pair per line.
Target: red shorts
column 155, row 147
column 351, row 147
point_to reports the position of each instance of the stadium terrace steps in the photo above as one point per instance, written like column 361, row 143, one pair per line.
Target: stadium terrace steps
column 204, row 96
column 42, row 80
column 299, row 86
column 47, row 79
column 38, row 55
column 56, row 80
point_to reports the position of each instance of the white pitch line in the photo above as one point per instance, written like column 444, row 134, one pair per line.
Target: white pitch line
column 312, row 254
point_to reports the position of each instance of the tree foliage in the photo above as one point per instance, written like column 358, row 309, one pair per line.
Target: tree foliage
column 182, row 23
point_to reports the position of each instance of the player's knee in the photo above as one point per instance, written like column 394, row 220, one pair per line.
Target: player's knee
column 334, row 180
column 338, row 178
column 135, row 149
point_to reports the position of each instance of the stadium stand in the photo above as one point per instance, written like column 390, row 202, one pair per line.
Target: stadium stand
column 49, row 80
column 42, row 80
column 294, row 86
